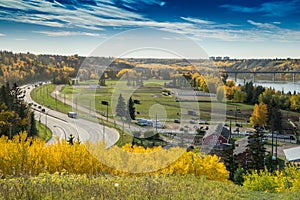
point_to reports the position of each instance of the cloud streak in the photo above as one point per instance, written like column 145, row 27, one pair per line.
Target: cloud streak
column 67, row 33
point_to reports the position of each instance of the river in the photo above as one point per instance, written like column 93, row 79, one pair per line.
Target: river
column 278, row 86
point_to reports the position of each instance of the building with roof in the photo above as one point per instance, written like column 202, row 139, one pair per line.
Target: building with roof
column 292, row 155
column 217, row 137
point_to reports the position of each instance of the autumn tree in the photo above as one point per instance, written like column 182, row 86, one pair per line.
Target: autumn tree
column 295, row 102
column 259, row 115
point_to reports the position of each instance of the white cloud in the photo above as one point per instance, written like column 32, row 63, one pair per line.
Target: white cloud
column 198, row 21
column 91, row 18
column 2, row 35
column 262, row 25
column 67, row 33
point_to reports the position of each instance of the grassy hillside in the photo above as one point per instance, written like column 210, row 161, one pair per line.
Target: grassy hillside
column 58, row 186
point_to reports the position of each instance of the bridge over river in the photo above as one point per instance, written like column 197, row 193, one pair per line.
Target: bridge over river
column 253, row 74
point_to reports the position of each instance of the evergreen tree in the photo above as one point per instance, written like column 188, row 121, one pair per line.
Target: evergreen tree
column 248, row 89
column 227, row 157
column 238, row 176
column 121, row 107
column 33, row 130
column 274, row 116
column 131, row 109
column 256, row 152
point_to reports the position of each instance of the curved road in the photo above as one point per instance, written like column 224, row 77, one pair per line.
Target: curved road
column 62, row 126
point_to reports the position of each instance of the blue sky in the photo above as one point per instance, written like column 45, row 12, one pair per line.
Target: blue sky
column 236, row 28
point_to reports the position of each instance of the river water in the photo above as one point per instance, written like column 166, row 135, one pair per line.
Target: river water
column 278, row 86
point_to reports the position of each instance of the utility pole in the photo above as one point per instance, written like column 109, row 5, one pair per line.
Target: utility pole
column 122, row 130
column 156, row 122
column 105, row 103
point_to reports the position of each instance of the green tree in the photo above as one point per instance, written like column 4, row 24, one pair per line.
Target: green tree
column 266, row 96
column 121, row 107
column 256, row 152
column 238, row 177
column 33, row 130
column 131, row 109
column 248, row 88
column 274, row 116
column 239, row 96
column 227, row 157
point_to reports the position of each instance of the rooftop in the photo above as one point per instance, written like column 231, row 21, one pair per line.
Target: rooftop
column 292, row 154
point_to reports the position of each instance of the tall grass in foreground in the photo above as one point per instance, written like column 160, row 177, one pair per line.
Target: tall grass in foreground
column 65, row 186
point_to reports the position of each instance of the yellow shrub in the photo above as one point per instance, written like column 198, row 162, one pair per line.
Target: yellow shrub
column 26, row 156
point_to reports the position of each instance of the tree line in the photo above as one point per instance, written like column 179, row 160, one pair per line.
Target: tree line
column 15, row 114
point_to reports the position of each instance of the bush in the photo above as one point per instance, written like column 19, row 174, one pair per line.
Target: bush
column 278, row 181
column 27, row 156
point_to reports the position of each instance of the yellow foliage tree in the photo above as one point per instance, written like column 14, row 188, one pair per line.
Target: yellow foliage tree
column 259, row 115
column 122, row 72
column 27, row 156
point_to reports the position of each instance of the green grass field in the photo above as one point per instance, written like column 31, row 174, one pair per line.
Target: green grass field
column 42, row 95
column 57, row 186
column 151, row 95
column 44, row 132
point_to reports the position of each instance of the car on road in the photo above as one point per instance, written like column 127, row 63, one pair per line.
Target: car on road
column 39, row 107
column 249, row 133
column 177, row 121
column 43, row 110
column 72, row 115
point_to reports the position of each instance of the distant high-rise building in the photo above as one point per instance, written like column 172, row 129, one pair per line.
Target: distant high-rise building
column 218, row 58
column 212, row 58
column 226, row 58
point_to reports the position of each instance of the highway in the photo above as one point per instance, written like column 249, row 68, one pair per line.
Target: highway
column 62, row 126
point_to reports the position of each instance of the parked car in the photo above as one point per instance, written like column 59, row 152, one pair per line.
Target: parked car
column 192, row 121
column 249, row 133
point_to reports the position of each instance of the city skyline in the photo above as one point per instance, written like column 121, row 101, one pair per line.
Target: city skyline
column 256, row 29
